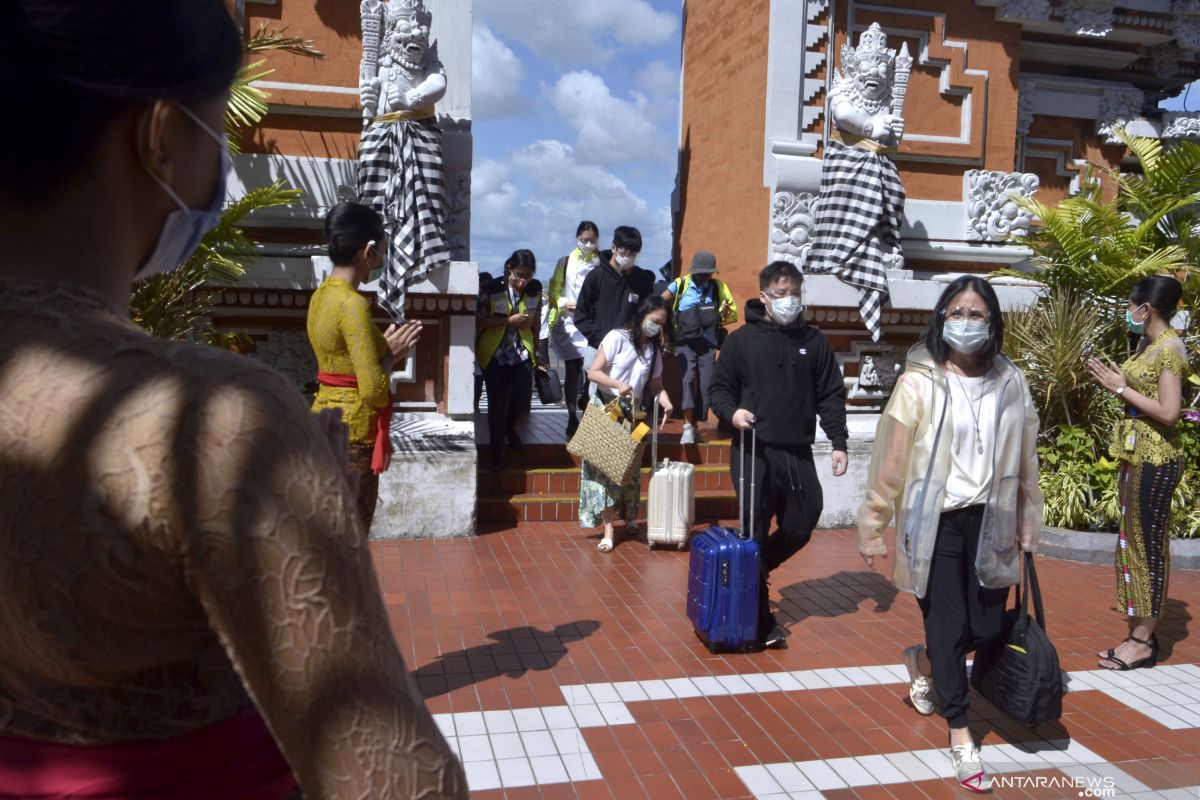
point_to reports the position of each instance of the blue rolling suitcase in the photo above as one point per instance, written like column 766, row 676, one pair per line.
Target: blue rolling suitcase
column 723, row 579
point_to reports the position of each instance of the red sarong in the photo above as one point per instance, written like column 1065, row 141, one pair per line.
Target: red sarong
column 382, row 456
column 235, row 759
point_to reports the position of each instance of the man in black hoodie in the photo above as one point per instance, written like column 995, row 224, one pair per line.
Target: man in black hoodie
column 611, row 293
column 776, row 374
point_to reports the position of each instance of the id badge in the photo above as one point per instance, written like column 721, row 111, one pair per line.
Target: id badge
column 1130, row 442
column 500, row 307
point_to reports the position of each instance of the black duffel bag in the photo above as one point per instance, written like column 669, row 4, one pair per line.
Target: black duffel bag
column 549, row 387
column 1019, row 674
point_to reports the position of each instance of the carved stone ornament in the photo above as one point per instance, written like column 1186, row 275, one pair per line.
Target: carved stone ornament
column 992, row 213
column 1088, row 17
column 1118, row 108
column 1025, row 97
column 1024, row 10
column 1181, row 125
column 793, row 217
column 1164, row 59
column 877, row 375
column 458, row 214
column 1187, row 23
column 289, row 352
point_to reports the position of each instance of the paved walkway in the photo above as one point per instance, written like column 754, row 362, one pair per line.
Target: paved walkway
column 561, row 672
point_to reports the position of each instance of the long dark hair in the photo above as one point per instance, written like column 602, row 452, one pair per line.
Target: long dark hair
column 633, row 328
column 348, row 228
column 934, row 338
column 82, row 62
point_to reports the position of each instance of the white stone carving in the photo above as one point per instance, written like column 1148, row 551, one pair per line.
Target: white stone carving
column 1118, row 108
column 1024, row 10
column 289, row 352
column 1186, row 23
column 793, row 217
column 458, row 214
column 1026, row 90
column 878, row 371
column 1164, row 59
column 1181, row 125
column 1088, row 17
column 992, row 213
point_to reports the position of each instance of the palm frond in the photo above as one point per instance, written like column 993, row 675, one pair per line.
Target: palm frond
column 276, row 38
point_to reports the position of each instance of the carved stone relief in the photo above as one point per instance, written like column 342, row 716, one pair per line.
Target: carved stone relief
column 1164, row 59
column 878, row 371
column 290, row 353
column 992, row 214
column 793, row 218
column 458, row 214
column 1024, row 10
column 1088, row 17
column 1025, row 97
column 1181, row 125
column 1187, row 23
column 1118, row 108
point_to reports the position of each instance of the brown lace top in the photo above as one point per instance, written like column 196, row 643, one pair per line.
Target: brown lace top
column 176, row 539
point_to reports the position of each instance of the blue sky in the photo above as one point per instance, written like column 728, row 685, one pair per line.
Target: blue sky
column 575, row 116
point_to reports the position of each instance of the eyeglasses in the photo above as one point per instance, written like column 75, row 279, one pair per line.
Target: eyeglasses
column 963, row 314
column 774, row 296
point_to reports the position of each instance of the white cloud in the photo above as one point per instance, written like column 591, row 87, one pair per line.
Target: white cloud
column 610, row 130
column 659, row 79
column 496, row 77
column 537, row 197
column 580, row 31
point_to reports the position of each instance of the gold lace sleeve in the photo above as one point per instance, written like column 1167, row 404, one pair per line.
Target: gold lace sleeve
column 285, row 578
column 1170, row 359
column 363, row 343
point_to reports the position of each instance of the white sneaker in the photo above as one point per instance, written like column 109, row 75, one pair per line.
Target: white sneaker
column 968, row 768
column 689, row 435
column 920, row 687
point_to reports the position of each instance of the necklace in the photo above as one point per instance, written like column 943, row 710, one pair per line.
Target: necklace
column 972, row 407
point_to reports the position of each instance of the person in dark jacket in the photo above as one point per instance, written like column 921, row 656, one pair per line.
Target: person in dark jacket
column 776, row 374
column 612, row 292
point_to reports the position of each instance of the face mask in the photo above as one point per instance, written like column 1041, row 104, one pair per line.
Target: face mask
column 784, row 310
column 587, row 248
column 185, row 227
column 651, row 328
column 1134, row 327
column 702, row 280
column 623, row 263
column 966, row 336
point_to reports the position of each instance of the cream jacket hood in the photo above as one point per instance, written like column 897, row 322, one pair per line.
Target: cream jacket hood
column 911, row 462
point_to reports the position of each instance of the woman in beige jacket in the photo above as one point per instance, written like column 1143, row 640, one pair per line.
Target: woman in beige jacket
column 955, row 464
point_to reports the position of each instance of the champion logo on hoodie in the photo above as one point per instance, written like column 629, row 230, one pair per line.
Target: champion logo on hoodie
column 803, row 351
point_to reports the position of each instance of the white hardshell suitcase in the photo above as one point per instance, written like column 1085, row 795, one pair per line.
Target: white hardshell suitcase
column 672, row 498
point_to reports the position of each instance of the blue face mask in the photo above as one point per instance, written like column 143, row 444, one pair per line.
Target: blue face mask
column 1134, row 327
column 185, row 226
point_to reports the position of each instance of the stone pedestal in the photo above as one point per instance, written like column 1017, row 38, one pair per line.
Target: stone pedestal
column 429, row 490
column 844, row 495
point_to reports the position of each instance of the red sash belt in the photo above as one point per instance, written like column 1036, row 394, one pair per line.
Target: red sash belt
column 235, row 759
column 382, row 456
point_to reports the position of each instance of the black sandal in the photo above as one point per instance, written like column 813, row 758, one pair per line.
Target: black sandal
column 1146, row 663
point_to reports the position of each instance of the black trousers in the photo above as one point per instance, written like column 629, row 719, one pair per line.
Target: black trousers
column 575, row 386
column 510, row 392
column 697, row 360
column 959, row 614
column 788, row 492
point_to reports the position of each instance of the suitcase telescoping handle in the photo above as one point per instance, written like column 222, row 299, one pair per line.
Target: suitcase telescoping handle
column 747, row 533
column 654, row 441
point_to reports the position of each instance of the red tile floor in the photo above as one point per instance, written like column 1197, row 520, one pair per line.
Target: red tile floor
column 506, row 620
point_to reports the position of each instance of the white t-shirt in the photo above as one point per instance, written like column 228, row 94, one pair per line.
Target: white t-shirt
column 627, row 365
column 568, row 341
column 970, row 476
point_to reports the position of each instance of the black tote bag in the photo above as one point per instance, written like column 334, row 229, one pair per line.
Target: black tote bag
column 1020, row 674
column 549, row 387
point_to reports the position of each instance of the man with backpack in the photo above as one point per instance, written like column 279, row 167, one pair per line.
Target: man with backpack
column 702, row 306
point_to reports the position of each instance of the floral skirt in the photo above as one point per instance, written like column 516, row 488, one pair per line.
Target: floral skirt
column 1143, row 559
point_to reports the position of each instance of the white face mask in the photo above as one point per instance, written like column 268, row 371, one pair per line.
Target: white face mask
column 185, row 227
column 784, row 310
column 623, row 263
column 651, row 328
column 587, row 248
column 966, row 336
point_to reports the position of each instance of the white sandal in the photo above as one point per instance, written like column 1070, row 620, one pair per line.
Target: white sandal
column 605, row 545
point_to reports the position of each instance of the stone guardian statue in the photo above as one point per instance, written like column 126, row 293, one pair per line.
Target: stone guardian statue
column 400, row 155
column 861, row 201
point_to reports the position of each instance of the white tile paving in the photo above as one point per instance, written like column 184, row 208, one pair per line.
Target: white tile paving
column 543, row 745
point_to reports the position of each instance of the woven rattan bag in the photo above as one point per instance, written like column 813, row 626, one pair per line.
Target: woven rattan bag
column 610, row 442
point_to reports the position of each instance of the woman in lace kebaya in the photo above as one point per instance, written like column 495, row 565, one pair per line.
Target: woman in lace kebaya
column 354, row 358
column 1147, row 444
column 187, row 602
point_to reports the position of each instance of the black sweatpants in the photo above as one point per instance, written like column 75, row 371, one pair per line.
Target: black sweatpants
column 510, row 392
column 959, row 614
column 788, row 491
column 575, row 386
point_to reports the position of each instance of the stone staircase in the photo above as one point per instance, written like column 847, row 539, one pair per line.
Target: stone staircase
column 541, row 482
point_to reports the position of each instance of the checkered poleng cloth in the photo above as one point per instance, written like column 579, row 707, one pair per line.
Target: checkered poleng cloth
column 858, row 222
column 400, row 176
